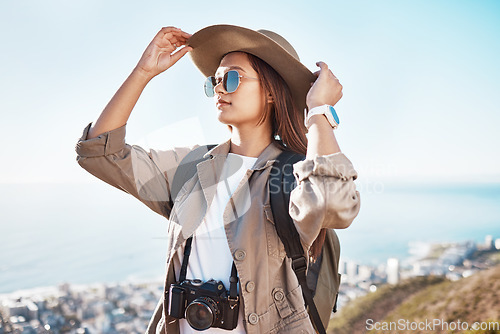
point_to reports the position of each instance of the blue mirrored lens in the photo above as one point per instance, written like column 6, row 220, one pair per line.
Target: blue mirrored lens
column 231, row 81
column 209, row 86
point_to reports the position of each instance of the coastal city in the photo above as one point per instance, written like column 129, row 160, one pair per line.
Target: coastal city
column 127, row 307
column 454, row 260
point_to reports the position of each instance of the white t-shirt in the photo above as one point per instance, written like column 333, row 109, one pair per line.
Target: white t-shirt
column 210, row 255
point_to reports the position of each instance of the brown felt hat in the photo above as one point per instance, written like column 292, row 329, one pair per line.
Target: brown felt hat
column 212, row 43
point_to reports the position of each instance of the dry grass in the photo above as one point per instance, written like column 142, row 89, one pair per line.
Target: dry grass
column 352, row 318
column 476, row 298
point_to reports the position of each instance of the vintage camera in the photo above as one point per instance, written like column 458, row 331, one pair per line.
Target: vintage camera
column 203, row 304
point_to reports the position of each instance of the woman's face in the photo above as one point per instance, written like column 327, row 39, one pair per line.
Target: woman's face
column 246, row 105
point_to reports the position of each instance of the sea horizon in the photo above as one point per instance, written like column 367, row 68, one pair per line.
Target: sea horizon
column 91, row 233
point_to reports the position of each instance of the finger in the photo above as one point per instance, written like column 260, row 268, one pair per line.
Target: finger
column 175, row 35
column 169, row 35
column 180, row 53
column 170, row 39
column 317, row 73
column 175, row 30
column 167, row 46
column 169, row 28
column 322, row 65
column 180, row 34
column 171, row 42
column 173, row 38
column 165, row 30
column 182, row 39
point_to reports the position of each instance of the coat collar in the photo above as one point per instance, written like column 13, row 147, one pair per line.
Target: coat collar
column 209, row 171
column 265, row 159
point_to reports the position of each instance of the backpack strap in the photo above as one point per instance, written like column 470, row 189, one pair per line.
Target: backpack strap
column 326, row 277
column 187, row 169
column 281, row 183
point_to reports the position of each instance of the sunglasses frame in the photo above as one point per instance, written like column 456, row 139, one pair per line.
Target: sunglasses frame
column 212, row 79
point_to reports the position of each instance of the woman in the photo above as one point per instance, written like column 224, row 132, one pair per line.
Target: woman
column 260, row 88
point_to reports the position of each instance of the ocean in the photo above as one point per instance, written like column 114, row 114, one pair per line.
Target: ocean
column 88, row 233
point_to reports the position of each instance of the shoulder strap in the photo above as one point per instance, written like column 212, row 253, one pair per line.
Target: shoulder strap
column 187, row 169
column 281, row 183
column 326, row 277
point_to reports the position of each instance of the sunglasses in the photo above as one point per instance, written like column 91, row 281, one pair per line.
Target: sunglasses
column 230, row 82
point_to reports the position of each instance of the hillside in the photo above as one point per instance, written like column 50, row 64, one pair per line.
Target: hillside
column 421, row 299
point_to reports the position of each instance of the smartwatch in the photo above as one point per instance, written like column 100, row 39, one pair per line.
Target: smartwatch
column 327, row 110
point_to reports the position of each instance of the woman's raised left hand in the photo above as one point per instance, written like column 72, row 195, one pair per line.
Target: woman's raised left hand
column 325, row 90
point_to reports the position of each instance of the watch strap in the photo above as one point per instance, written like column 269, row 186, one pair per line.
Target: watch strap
column 321, row 110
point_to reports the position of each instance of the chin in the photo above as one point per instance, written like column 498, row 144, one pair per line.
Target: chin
column 228, row 118
column 224, row 118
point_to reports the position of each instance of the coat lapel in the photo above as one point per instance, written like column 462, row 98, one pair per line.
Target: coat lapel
column 209, row 171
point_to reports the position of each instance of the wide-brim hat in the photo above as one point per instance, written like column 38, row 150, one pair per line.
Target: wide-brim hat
column 212, row 43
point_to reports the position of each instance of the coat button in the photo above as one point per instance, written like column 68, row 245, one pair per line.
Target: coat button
column 250, row 286
column 239, row 255
column 279, row 295
column 253, row 318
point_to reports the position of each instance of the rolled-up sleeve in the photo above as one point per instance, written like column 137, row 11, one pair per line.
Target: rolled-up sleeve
column 145, row 175
column 325, row 196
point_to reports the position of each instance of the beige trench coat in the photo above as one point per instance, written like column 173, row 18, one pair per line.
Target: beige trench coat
column 271, row 297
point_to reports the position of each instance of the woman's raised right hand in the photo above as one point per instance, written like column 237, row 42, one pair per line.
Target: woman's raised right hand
column 159, row 55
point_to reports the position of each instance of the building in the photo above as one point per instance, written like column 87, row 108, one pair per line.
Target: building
column 488, row 242
column 392, row 271
column 20, row 308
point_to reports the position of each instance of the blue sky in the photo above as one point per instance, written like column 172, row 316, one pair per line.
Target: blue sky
column 420, row 81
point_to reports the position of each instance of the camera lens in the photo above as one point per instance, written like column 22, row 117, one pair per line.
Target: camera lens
column 197, row 282
column 201, row 313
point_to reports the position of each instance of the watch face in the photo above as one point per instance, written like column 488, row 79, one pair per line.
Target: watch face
column 334, row 114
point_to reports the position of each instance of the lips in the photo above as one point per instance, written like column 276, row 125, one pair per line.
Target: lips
column 222, row 103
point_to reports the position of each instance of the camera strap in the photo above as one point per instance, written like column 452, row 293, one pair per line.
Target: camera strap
column 233, row 279
column 233, row 287
column 187, row 252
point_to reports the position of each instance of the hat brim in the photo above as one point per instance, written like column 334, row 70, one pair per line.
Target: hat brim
column 210, row 44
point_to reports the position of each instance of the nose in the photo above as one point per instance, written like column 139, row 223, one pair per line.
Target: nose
column 219, row 88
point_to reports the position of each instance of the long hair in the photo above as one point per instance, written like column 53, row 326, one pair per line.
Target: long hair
column 286, row 121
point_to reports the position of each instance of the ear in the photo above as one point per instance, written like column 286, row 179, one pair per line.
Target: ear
column 270, row 98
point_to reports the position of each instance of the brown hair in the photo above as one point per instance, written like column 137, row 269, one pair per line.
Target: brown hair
column 286, row 122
